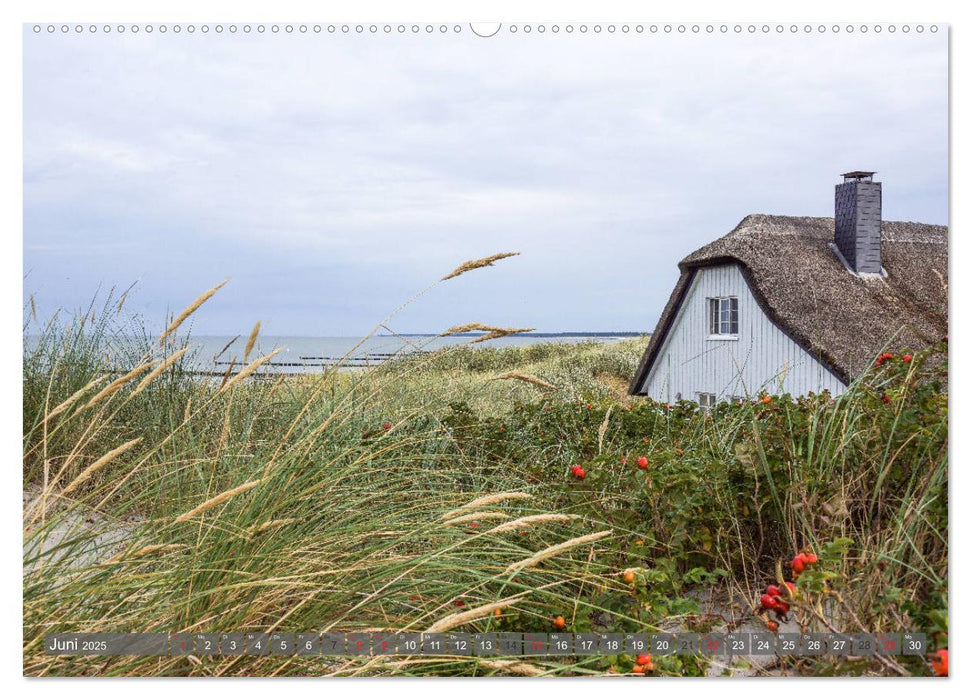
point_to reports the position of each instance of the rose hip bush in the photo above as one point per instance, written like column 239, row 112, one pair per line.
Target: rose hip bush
column 695, row 495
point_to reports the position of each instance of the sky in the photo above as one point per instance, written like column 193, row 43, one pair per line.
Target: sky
column 330, row 177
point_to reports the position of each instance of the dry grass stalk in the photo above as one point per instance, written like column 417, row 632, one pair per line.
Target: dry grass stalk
column 488, row 501
column 528, row 520
column 98, row 464
column 216, row 500
column 77, row 451
column 269, row 525
column 225, row 348
column 468, row 328
column 501, row 333
column 33, row 308
column 456, row 619
column 229, row 371
column 224, row 435
column 476, row 264
column 251, row 342
column 602, row 430
column 478, row 515
column 550, row 552
column 249, row 369
column 118, row 383
column 489, row 332
column 189, row 310
column 410, row 661
column 145, row 551
column 64, row 405
column 169, row 361
column 525, row 378
column 520, row 668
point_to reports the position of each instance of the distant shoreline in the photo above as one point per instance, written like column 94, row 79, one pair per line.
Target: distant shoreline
column 219, row 356
column 577, row 334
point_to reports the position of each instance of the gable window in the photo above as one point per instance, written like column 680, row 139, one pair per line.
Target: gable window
column 723, row 316
column 706, row 401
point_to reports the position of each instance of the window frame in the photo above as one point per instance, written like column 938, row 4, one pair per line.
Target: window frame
column 723, row 317
column 707, row 400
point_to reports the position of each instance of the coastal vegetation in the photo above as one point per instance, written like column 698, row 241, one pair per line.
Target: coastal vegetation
column 473, row 489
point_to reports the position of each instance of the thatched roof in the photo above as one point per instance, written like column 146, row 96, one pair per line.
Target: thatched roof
column 842, row 319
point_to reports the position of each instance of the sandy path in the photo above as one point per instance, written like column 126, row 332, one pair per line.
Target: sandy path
column 79, row 533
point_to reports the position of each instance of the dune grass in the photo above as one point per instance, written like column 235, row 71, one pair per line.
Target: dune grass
column 159, row 502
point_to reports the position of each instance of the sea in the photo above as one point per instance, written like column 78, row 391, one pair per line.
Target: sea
column 305, row 354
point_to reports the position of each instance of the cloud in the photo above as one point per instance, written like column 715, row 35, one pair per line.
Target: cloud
column 332, row 175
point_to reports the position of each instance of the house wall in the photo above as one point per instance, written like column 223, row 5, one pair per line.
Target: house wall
column 762, row 357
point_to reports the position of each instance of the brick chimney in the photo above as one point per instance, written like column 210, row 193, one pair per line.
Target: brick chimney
column 858, row 217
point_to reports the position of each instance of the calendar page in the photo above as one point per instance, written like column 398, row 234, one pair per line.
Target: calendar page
column 554, row 348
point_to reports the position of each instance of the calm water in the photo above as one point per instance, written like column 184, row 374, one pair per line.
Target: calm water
column 310, row 354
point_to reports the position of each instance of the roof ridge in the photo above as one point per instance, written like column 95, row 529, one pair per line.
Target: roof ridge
column 780, row 255
column 811, row 228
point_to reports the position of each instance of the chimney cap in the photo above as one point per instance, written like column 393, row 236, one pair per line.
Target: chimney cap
column 858, row 175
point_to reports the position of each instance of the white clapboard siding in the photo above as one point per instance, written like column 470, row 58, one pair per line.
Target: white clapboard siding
column 762, row 358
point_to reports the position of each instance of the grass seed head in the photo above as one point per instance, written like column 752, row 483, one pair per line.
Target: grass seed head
column 469, row 265
column 189, row 310
column 251, row 342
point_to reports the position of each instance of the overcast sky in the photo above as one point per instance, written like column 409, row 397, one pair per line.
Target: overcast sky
column 331, row 176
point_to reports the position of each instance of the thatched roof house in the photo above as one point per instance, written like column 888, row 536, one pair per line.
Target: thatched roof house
column 840, row 290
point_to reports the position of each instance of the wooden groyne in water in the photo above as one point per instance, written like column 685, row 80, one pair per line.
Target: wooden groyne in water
column 371, row 359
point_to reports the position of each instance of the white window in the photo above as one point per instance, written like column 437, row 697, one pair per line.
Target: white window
column 706, row 401
column 723, row 316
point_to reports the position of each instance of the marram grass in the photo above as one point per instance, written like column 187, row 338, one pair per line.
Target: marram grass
column 284, row 505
